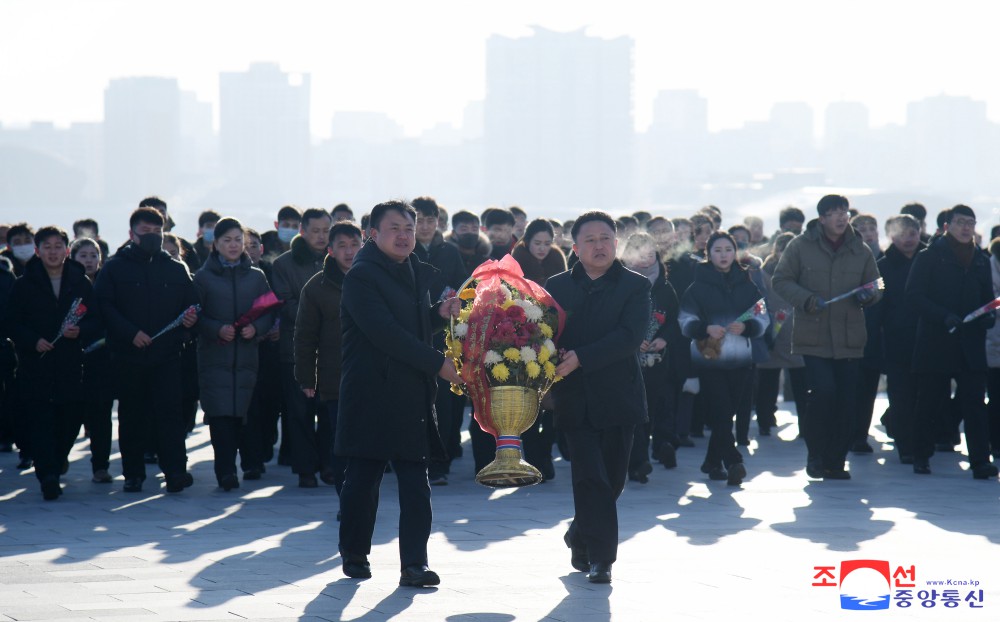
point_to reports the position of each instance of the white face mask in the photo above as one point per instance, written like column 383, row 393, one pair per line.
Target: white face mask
column 23, row 252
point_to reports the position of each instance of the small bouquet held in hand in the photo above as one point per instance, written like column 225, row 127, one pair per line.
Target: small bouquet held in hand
column 989, row 307
column 261, row 305
column 76, row 312
column 869, row 288
column 656, row 320
column 177, row 322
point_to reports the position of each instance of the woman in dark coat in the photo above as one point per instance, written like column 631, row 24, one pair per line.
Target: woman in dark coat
column 721, row 293
column 540, row 259
column 660, row 358
column 228, row 284
column 51, row 359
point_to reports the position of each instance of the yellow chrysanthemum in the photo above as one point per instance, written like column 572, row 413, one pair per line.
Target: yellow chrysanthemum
column 512, row 354
column 545, row 329
column 456, row 347
column 507, row 304
column 543, row 355
column 533, row 369
column 467, row 294
column 463, row 315
column 550, row 370
column 500, row 372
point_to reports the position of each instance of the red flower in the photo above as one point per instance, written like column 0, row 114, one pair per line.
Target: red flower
column 660, row 317
column 516, row 314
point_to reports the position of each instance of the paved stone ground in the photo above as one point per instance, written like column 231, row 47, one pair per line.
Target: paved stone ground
column 691, row 549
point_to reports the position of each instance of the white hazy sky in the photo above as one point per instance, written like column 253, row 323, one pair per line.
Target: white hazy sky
column 422, row 61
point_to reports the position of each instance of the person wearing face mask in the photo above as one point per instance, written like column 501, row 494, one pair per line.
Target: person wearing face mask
column 227, row 285
column 188, row 254
column 710, row 310
column 140, row 291
column 20, row 246
column 50, row 359
column 98, row 389
column 473, row 244
column 286, row 227
column 205, row 243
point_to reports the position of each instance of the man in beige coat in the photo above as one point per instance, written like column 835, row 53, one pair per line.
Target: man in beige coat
column 827, row 260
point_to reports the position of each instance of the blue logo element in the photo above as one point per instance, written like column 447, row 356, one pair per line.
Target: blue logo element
column 858, row 603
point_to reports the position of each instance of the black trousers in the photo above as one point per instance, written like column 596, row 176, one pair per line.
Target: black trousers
column 993, row 408
column 231, row 435
column 310, row 435
column 867, row 393
column 97, row 418
column 484, row 445
column 445, row 407
column 724, row 389
column 150, row 415
column 268, row 395
column 599, row 468
column 661, row 398
column 744, row 407
column 54, row 428
column 766, row 396
column 829, row 423
column 359, row 507
column 539, row 438
column 902, row 389
column 338, row 464
column 933, row 393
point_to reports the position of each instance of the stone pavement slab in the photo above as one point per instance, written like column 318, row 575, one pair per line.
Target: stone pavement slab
column 691, row 549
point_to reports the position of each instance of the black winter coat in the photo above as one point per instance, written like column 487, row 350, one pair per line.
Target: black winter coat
column 719, row 298
column 138, row 292
column 8, row 360
column 290, row 272
column 389, row 369
column 448, row 260
column 677, row 357
column 318, row 334
column 897, row 323
column 606, row 321
column 35, row 313
column 227, row 371
column 938, row 286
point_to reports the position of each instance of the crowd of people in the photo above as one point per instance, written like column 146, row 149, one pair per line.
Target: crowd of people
column 319, row 343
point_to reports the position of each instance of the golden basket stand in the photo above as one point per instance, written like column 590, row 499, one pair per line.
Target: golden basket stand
column 514, row 410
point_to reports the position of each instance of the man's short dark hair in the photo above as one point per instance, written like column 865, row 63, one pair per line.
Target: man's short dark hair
column 943, row 217
column 790, row 213
column 517, row 211
column 735, row 228
column 85, row 223
column 893, row 224
column 497, row 216
column 155, row 202
column 594, row 216
column 289, row 212
column 50, row 232
column 655, row 220
column 642, row 216
column 342, row 207
column 917, row 210
column 714, row 213
column 312, row 214
column 464, row 217
column 832, row 202
column 345, row 228
column 21, row 228
column 208, row 217
column 380, row 210
column 958, row 210
column 365, row 220
column 624, row 222
column 148, row 215
column 425, row 206
column 251, row 233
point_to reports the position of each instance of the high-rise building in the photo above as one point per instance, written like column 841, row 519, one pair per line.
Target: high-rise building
column 558, row 121
column 264, row 135
column 141, row 138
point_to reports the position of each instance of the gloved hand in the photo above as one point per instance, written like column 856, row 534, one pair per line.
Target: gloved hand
column 692, row 386
column 952, row 321
column 815, row 304
column 865, row 295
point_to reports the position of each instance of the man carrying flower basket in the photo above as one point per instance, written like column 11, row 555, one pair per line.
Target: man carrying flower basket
column 602, row 398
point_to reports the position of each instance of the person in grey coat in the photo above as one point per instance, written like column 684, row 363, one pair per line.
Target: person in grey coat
column 228, row 284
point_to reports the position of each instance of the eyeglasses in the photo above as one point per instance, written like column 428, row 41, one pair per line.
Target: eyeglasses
column 962, row 222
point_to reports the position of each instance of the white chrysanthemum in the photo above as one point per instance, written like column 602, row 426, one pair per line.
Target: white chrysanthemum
column 528, row 354
column 506, row 292
column 492, row 358
column 551, row 347
column 461, row 330
column 532, row 311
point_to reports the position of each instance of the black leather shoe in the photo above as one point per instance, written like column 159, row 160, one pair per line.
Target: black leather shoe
column 640, row 473
column 921, row 467
column 308, row 481
column 861, row 447
column 229, row 482
column 177, row 483
column 984, row 471
column 600, row 572
column 356, row 566
column 718, row 474
column 328, row 477
column 836, row 474
column 578, row 557
column 814, row 468
column 735, row 474
column 252, row 474
column 765, row 431
column 666, row 454
column 25, row 463
column 418, row 576
column 51, row 488
column 133, row 484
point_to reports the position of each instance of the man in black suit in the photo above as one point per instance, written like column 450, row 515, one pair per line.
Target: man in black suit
column 602, row 398
column 387, row 391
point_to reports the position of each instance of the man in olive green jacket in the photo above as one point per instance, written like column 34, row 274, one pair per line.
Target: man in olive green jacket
column 827, row 260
